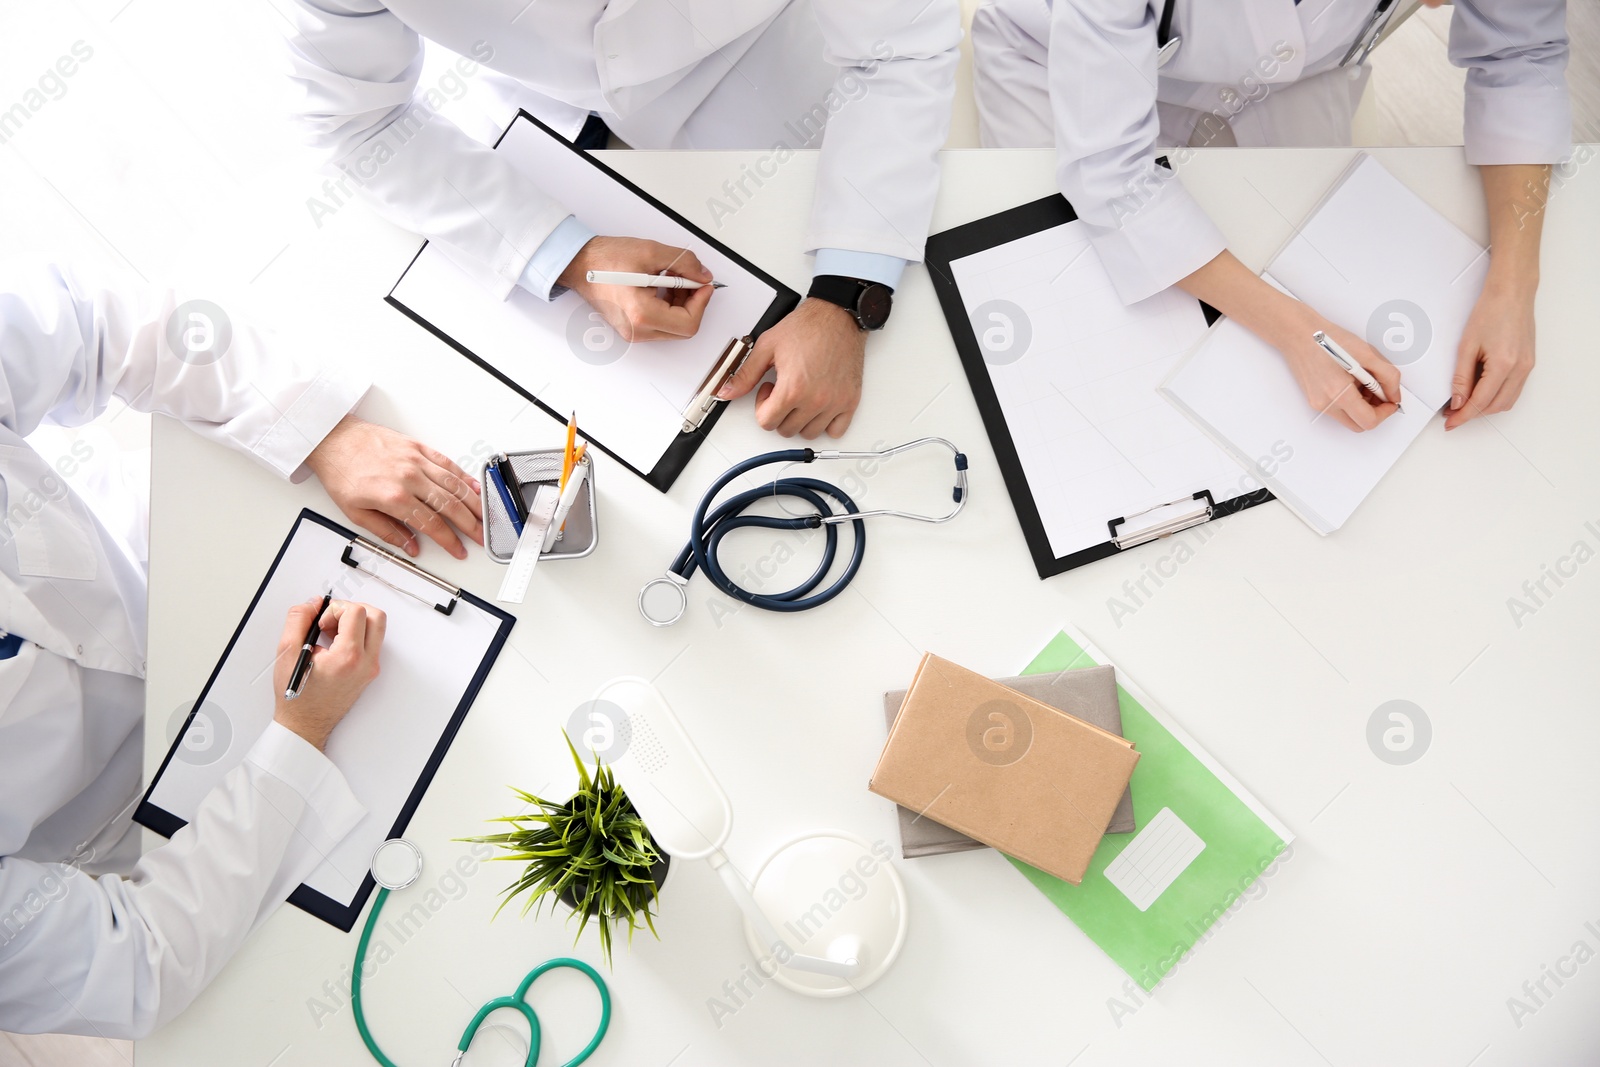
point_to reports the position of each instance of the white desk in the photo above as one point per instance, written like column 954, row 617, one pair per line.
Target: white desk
column 1417, row 898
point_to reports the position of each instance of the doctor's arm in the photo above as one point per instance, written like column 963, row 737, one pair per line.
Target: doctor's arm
column 1148, row 231
column 877, row 179
column 120, row 957
column 1517, row 123
column 357, row 67
column 70, row 349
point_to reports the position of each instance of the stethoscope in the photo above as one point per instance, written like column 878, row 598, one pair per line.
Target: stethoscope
column 1371, row 33
column 710, row 525
column 396, row 864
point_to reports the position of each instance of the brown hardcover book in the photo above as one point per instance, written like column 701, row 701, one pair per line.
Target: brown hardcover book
column 1008, row 770
column 1090, row 693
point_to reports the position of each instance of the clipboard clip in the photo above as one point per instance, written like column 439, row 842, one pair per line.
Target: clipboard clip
column 349, row 560
column 1200, row 508
column 705, row 398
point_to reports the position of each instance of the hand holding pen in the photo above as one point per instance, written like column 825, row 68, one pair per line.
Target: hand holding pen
column 1331, row 386
column 329, row 679
column 636, row 313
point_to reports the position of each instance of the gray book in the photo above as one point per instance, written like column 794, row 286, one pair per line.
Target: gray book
column 1089, row 693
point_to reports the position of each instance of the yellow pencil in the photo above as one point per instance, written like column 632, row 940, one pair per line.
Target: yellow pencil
column 567, row 459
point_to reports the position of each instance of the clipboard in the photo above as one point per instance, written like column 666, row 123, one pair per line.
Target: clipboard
column 438, row 647
column 437, row 291
column 1137, row 519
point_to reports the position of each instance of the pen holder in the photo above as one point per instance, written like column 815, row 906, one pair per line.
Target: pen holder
column 532, row 469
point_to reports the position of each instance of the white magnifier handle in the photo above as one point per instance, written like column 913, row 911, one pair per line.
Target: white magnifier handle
column 769, row 934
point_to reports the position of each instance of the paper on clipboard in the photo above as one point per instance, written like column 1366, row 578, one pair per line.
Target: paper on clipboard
column 389, row 744
column 630, row 397
column 1094, row 440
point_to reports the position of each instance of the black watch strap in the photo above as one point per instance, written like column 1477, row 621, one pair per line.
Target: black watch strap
column 867, row 302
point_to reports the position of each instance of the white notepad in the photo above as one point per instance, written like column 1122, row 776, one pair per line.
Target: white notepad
column 1380, row 261
column 1094, row 440
column 560, row 350
column 389, row 742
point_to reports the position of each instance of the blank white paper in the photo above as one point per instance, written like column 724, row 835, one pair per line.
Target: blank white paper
column 634, row 404
column 384, row 743
column 1239, row 387
column 1373, row 242
column 1154, row 858
column 1095, row 441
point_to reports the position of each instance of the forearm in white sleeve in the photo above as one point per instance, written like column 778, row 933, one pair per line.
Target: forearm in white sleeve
column 1148, row 231
column 118, row 957
column 70, row 348
column 878, row 174
column 1517, row 108
column 357, row 67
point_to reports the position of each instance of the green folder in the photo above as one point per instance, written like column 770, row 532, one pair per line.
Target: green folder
column 1241, row 840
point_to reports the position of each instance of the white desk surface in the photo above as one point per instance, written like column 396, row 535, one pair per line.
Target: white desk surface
column 1416, row 901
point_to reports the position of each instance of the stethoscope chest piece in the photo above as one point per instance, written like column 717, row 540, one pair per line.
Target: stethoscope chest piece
column 396, row 863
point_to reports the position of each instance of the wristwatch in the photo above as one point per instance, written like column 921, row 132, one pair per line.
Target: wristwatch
column 867, row 302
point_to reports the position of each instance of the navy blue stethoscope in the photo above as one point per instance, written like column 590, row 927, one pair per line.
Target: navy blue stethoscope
column 712, row 523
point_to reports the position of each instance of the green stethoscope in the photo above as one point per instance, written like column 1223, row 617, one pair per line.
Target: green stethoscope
column 395, row 865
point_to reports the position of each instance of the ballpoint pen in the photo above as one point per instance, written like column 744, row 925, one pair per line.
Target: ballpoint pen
column 302, row 665
column 647, row 281
column 512, row 491
column 1354, row 369
column 508, row 497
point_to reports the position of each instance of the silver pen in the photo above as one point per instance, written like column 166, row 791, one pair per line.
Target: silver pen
column 1354, row 369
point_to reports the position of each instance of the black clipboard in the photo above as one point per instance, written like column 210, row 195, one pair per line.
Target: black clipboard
column 1011, row 225
column 319, row 904
column 677, row 455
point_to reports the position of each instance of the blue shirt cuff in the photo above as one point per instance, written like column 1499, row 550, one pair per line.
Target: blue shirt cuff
column 552, row 257
column 868, row 266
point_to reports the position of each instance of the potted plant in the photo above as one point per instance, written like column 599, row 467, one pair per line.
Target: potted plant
column 592, row 852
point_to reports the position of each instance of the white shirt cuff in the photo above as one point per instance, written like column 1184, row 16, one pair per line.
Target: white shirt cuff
column 552, row 257
column 868, row 266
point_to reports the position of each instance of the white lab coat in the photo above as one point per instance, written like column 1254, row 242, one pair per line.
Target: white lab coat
column 663, row 74
column 1082, row 75
column 109, row 955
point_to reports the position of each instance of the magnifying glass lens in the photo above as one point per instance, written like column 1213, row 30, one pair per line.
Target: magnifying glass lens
column 396, row 863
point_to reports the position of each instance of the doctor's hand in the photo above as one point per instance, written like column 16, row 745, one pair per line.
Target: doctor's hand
column 391, row 485
column 339, row 673
column 817, row 351
column 1495, row 356
column 640, row 314
column 1327, row 386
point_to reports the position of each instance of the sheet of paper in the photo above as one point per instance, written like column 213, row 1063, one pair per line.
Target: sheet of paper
column 384, row 743
column 1075, row 372
column 629, row 398
column 1378, row 260
column 1154, row 859
column 1239, row 387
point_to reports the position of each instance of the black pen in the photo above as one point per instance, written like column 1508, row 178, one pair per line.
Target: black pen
column 302, row 666
column 513, row 488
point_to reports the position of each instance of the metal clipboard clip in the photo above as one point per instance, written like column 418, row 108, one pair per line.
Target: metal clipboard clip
column 705, row 398
column 1195, row 510
column 349, row 560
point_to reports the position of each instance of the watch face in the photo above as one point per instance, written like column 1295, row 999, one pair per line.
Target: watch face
column 872, row 307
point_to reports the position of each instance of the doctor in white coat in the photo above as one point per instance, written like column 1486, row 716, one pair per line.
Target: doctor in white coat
column 756, row 74
column 1109, row 87
column 95, row 940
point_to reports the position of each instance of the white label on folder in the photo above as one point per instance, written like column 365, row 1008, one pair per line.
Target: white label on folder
column 1154, row 859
